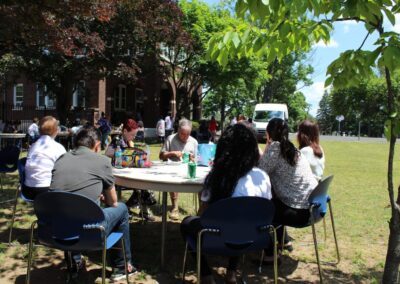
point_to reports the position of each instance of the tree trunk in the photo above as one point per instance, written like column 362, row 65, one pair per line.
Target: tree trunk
column 64, row 98
column 222, row 110
column 390, row 274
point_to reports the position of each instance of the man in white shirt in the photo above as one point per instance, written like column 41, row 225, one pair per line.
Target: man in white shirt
column 168, row 125
column 33, row 131
column 41, row 158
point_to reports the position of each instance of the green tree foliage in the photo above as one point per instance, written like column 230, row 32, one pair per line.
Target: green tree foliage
column 325, row 114
column 284, row 26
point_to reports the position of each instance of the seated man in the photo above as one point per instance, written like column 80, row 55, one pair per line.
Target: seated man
column 41, row 158
column 173, row 148
column 85, row 172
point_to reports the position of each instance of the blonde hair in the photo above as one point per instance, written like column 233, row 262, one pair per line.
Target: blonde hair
column 48, row 125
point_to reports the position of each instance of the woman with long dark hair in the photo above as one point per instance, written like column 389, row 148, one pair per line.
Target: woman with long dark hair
column 308, row 138
column 291, row 177
column 234, row 174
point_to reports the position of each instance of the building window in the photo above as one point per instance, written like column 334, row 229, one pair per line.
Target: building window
column 120, row 98
column 18, row 95
column 44, row 98
column 79, row 95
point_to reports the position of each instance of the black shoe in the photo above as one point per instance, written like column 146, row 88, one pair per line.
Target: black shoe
column 119, row 272
column 75, row 269
column 147, row 215
column 147, row 198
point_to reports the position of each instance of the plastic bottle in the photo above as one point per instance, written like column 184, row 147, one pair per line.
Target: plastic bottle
column 118, row 158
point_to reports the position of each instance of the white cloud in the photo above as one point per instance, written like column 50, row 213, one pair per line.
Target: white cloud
column 331, row 44
column 313, row 95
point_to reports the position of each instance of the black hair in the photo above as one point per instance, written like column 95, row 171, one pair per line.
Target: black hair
column 87, row 136
column 237, row 153
column 278, row 130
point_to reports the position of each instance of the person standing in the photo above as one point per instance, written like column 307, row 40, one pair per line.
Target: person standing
column 85, row 172
column 105, row 128
column 168, row 125
column 160, row 129
column 212, row 127
column 308, row 138
column 33, row 131
column 173, row 149
column 41, row 158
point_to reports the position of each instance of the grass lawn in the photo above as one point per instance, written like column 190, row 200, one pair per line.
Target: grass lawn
column 360, row 205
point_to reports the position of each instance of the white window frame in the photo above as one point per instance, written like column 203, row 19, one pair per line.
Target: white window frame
column 120, row 98
column 18, row 100
column 75, row 99
column 49, row 103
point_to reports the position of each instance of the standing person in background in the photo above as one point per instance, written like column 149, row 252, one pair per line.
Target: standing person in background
column 168, row 125
column 33, row 131
column 140, row 132
column 308, row 138
column 212, row 127
column 41, row 158
column 241, row 118
column 128, row 135
column 160, row 129
column 233, row 120
column 173, row 149
column 105, row 128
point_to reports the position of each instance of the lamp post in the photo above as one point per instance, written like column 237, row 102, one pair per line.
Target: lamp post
column 339, row 118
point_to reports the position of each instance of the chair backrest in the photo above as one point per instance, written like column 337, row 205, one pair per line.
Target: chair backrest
column 62, row 218
column 242, row 224
column 319, row 197
column 9, row 156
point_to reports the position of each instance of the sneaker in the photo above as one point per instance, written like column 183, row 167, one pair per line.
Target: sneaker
column 147, row 215
column 174, row 214
column 119, row 272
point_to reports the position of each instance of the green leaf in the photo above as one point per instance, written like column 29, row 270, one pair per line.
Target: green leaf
column 235, row 39
column 227, row 37
column 390, row 16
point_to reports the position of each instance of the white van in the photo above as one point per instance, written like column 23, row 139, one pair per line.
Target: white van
column 264, row 113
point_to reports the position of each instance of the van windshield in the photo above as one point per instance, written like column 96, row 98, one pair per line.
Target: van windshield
column 265, row 116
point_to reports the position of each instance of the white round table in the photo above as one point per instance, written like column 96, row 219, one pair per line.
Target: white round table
column 163, row 177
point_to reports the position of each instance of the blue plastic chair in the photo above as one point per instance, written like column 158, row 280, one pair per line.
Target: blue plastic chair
column 319, row 201
column 72, row 222
column 9, row 156
column 234, row 227
column 21, row 172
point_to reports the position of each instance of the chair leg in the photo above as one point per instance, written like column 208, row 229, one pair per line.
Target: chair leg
column 334, row 231
column 198, row 256
column 324, row 223
column 1, row 181
column 125, row 260
column 28, row 272
column 141, row 206
column 184, row 262
column 316, row 244
column 283, row 238
column 276, row 255
column 261, row 261
column 104, row 254
column 13, row 216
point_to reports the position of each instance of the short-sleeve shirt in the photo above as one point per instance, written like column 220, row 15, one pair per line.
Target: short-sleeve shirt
column 173, row 143
column 255, row 183
column 83, row 171
column 291, row 184
column 40, row 161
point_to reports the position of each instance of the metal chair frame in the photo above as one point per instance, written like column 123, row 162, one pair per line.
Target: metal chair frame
column 313, row 221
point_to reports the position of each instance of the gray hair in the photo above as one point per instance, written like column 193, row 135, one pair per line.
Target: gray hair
column 185, row 123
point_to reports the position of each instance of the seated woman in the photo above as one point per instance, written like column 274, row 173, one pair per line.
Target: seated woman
column 291, row 177
column 41, row 158
column 234, row 174
column 308, row 138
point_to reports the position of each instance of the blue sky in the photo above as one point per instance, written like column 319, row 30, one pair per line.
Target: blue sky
column 346, row 35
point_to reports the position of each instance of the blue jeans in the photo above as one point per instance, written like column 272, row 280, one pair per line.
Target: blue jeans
column 117, row 220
